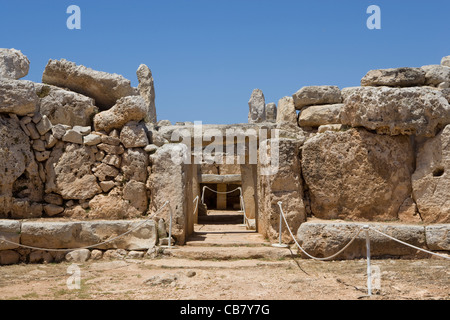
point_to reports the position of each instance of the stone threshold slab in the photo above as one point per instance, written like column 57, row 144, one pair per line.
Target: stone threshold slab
column 79, row 234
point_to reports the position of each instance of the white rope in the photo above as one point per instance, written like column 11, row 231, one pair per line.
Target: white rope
column 223, row 192
column 92, row 246
column 407, row 244
column 196, row 205
column 351, row 241
column 306, row 253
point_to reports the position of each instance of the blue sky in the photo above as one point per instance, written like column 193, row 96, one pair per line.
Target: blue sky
column 207, row 56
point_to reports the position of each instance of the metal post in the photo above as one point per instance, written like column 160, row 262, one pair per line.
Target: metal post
column 170, row 229
column 203, row 195
column 243, row 209
column 280, row 244
column 369, row 269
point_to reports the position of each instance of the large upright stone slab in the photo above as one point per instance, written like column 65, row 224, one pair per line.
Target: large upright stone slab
column 105, row 88
column 284, row 184
column 257, row 107
column 13, row 64
column 168, row 181
column 431, row 180
column 357, row 175
column 147, row 91
column 286, row 114
column 395, row 111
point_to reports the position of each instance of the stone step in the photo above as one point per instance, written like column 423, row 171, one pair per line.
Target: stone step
column 229, row 253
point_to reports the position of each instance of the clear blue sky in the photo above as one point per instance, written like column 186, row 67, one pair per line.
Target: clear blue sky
column 207, row 56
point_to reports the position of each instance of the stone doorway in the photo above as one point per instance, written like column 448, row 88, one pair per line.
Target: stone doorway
column 224, row 196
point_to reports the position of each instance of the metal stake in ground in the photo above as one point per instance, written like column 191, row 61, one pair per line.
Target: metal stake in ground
column 280, row 244
column 369, row 269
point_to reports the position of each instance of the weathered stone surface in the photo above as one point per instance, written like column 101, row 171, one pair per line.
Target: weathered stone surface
column 330, row 127
column 104, row 88
column 9, row 230
column 25, row 209
column 445, row 61
column 73, row 136
column 322, row 239
column 53, row 210
column 107, row 185
column 65, row 107
column 219, row 179
column 105, row 172
column 283, row 184
column 72, row 235
column 111, row 149
column 13, row 64
column 69, row 173
column 394, row 111
column 112, row 160
column 18, row 97
column 438, row 237
column 19, row 173
column 357, row 175
column 431, row 180
column 55, row 199
column 436, row 74
column 133, row 135
column 134, row 165
column 446, row 94
column 398, row 77
column 257, row 107
column 78, row 256
column 136, row 193
column 83, row 130
column 168, row 183
column 112, row 207
column 92, row 139
column 408, row 212
column 125, row 110
column 271, row 112
column 316, row 95
column 42, row 156
column 286, row 113
column 147, row 91
column 316, row 116
column 8, row 257
column 59, row 130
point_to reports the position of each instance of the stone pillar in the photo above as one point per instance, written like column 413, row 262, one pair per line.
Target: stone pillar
column 167, row 182
column 249, row 181
column 283, row 185
column 221, row 197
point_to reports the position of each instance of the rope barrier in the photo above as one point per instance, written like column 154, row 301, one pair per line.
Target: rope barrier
column 218, row 192
column 304, row 251
column 409, row 245
column 367, row 228
column 196, row 205
column 91, row 246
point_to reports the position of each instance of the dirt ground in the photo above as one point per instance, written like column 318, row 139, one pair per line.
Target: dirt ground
column 185, row 279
